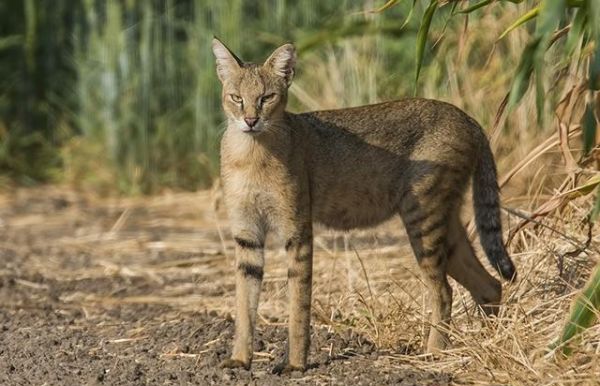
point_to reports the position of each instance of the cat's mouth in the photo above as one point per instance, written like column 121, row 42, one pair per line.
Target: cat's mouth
column 251, row 130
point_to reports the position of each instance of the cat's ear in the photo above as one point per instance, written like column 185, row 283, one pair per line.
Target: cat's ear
column 227, row 62
column 282, row 61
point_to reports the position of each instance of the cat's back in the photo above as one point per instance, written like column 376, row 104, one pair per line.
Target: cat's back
column 358, row 117
column 397, row 125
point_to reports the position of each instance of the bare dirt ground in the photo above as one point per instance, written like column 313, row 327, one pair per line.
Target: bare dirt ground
column 140, row 292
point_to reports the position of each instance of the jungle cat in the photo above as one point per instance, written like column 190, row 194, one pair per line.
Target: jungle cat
column 350, row 168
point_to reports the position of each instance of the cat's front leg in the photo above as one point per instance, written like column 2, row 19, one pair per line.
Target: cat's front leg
column 249, row 254
column 299, row 251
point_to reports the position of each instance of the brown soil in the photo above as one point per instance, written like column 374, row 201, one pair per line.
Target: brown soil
column 139, row 292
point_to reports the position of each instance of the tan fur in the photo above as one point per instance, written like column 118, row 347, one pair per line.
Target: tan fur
column 346, row 169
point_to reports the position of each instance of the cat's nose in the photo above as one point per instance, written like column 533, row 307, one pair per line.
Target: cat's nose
column 251, row 121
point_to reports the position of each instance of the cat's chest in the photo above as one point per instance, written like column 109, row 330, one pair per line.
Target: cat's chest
column 269, row 194
column 265, row 185
column 252, row 180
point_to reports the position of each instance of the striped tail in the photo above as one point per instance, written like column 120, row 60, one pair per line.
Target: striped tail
column 487, row 213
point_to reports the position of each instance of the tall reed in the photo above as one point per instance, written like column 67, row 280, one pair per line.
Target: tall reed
column 146, row 84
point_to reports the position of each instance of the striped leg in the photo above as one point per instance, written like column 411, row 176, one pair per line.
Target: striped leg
column 427, row 227
column 248, row 279
column 466, row 269
column 299, row 255
column 441, row 300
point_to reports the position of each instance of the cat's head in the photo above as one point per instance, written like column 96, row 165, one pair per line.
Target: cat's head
column 254, row 95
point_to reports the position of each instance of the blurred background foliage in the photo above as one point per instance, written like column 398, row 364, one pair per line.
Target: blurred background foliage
column 121, row 96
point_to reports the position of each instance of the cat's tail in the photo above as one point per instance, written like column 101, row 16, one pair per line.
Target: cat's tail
column 487, row 213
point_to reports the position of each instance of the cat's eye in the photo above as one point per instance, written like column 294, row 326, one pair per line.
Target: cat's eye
column 267, row 98
column 235, row 98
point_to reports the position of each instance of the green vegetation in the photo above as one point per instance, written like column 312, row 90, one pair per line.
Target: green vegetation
column 122, row 94
column 583, row 314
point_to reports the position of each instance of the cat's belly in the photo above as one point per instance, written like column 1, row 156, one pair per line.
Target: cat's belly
column 345, row 210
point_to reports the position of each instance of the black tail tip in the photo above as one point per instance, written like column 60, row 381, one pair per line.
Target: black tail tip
column 508, row 271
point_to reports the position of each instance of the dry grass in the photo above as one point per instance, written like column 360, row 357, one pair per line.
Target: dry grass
column 386, row 301
column 365, row 282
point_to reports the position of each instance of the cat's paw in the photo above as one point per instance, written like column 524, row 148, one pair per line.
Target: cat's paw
column 285, row 368
column 235, row 364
